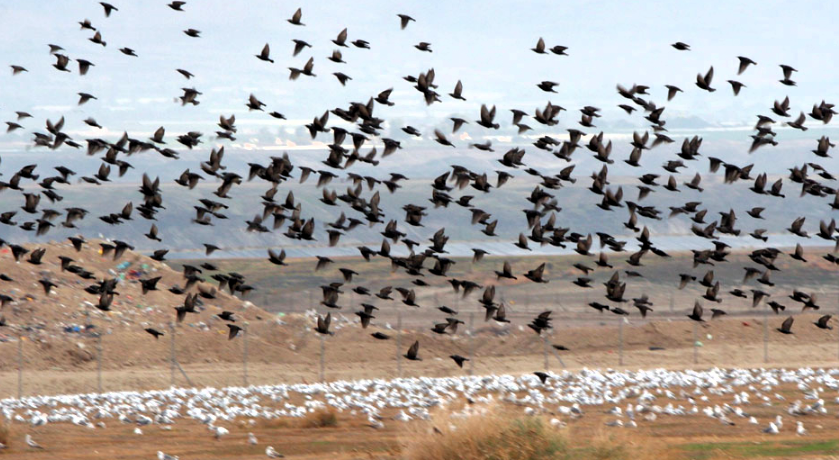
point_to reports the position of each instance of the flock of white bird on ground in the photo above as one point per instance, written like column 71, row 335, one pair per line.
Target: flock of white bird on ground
column 630, row 398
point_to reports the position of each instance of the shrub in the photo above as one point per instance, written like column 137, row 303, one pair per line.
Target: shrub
column 5, row 432
column 504, row 435
column 321, row 418
column 487, row 437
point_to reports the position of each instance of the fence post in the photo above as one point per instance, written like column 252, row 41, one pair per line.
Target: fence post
column 821, row 291
column 19, row 367
column 245, row 352
column 837, row 329
column 322, row 363
column 765, row 333
column 471, row 343
column 399, row 343
column 545, row 350
column 183, row 373
column 620, row 338
column 837, row 317
column 672, row 302
column 99, row 362
column 695, row 343
column 172, row 354
column 556, row 355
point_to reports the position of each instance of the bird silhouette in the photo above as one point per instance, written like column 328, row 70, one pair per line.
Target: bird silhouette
column 459, row 360
column 413, row 352
column 786, row 327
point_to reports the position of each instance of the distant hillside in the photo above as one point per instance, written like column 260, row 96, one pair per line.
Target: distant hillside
column 505, row 204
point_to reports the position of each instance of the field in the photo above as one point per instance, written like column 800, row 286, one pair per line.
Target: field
column 281, row 347
column 589, row 436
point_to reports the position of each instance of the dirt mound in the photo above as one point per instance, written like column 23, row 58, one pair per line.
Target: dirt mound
column 60, row 328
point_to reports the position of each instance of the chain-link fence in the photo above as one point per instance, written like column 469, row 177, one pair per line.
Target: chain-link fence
column 580, row 336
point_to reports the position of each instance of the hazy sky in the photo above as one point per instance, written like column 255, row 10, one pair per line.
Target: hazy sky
column 485, row 44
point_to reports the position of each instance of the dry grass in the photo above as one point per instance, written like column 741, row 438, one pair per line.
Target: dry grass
column 5, row 432
column 272, row 424
column 502, row 435
column 608, row 449
column 320, row 418
column 489, row 436
column 618, row 445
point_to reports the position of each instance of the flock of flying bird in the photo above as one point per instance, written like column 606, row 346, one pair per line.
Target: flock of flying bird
column 365, row 210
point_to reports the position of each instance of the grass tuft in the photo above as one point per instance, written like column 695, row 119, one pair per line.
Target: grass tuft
column 610, row 447
column 5, row 432
column 272, row 424
column 499, row 434
column 321, row 418
column 491, row 436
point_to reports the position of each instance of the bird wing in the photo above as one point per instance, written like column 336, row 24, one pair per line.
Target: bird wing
column 787, row 325
column 709, row 76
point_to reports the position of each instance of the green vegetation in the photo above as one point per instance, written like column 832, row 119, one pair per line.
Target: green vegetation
column 701, row 451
